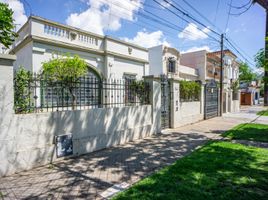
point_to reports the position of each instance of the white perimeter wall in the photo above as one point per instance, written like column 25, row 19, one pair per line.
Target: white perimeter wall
column 27, row 140
column 183, row 113
column 190, row 112
column 236, row 105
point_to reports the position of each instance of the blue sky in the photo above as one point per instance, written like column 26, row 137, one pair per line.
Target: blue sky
column 126, row 19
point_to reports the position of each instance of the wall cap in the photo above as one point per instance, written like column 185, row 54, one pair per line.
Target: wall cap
column 8, row 57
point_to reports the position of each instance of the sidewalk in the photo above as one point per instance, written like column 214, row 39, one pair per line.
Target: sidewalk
column 86, row 177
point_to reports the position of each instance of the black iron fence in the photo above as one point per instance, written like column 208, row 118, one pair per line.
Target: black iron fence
column 36, row 93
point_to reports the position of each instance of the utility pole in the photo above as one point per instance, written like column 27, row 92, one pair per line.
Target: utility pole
column 221, row 78
column 264, row 4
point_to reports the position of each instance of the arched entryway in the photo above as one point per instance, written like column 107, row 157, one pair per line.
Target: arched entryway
column 90, row 89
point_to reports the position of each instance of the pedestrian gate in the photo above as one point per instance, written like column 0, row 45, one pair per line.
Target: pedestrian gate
column 165, row 102
column 211, row 100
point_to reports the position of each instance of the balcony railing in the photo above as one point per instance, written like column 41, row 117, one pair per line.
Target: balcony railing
column 60, row 32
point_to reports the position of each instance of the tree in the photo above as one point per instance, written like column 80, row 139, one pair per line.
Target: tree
column 246, row 74
column 7, row 34
column 66, row 70
column 262, row 62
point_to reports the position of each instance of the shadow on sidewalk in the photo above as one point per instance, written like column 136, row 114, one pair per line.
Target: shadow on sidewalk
column 88, row 175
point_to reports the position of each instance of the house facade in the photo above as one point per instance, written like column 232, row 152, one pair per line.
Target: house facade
column 250, row 93
column 208, row 65
column 166, row 60
column 40, row 40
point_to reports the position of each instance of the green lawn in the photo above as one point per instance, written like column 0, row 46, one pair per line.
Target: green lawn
column 219, row 170
column 263, row 113
column 255, row 132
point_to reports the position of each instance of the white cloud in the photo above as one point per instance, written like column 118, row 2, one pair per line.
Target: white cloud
column 191, row 32
column 104, row 15
column 146, row 39
column 197, row 49
column 19, row 15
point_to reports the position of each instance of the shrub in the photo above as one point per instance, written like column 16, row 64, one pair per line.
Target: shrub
column 22, row 92
column 67, row 71
column 189, row 91
column 139, row 88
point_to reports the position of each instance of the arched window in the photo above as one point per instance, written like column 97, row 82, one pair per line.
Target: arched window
column 89, row 94
column 86, row 92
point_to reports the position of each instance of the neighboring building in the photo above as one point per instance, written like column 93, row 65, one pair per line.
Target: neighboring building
column 208, row 65
column 250, row 93
column 40, row 39
column 166, row 60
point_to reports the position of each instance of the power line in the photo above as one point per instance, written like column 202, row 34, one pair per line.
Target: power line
column 199, row 13
column 238, row 14
column 217, row 9
column 232, row 45
column 240, row 49
column 184, row 19
column 175, row 27
column 158, row 20
column 171, row 24
column 234, row 48
column 186, row 14
column 216, row 27
column 228, row 17
column 243, row 6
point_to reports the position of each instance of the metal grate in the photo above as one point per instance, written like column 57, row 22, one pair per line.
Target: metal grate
column 211, row 100
column 165, row 102
column 88, row 92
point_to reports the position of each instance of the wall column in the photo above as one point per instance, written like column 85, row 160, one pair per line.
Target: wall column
column 174, row 103
column 202, row 99
column 6, row 113
column 155, row 100
column 6, row 85
column 231, row 106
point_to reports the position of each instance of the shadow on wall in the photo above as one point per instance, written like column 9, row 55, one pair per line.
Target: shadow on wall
column 28, row 138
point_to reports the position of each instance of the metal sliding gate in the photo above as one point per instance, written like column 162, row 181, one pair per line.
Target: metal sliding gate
column 211, row 100
column 165, row 102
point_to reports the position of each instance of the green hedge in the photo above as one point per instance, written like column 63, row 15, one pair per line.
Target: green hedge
column 22, row 92
column 189, row 91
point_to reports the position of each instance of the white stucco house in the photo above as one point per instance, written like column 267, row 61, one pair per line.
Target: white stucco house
column 166, row 60
column 208, row 65
column 40, row 39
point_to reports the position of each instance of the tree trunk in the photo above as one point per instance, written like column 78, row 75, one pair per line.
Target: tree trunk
column 73, row 98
